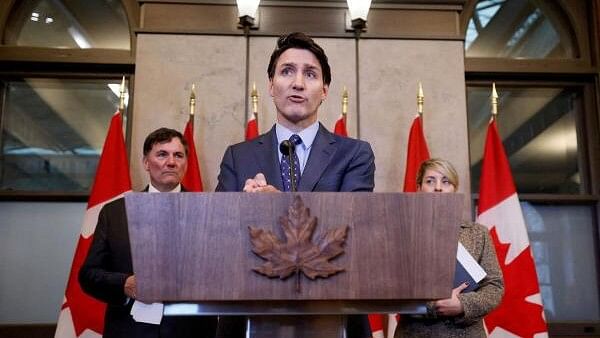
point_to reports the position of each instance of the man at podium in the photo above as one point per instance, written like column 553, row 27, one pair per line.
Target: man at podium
column 299, row 76
column 107, row 272
column 298, row 153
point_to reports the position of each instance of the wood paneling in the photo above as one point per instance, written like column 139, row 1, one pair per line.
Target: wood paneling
column 181, row 18
column 318, row 19
column 40, row 54
column 423, row 24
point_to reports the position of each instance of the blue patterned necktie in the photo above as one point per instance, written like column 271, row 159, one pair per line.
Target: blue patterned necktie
column 285, row 166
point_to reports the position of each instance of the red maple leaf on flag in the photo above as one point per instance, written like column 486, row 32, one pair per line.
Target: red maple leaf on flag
column 514, row 312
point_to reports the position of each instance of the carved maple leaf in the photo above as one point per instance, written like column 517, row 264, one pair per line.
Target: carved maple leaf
column 515, row 314
column 297, row 253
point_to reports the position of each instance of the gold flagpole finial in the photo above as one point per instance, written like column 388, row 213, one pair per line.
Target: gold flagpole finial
column 122, row 95
column 254, row 96
column 494, row 101
column 420, row 99
column 193, row 100
column 345, row 101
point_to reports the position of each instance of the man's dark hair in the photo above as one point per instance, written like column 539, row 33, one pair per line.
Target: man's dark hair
column 300, row 41
column 163, row 135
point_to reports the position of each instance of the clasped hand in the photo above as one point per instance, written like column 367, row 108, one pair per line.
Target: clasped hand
column 258, row 184
column 130, row 287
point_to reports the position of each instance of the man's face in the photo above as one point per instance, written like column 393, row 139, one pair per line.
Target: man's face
column 166, row 163
column 297, row 88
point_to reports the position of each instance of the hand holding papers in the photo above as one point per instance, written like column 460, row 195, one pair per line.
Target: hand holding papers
column 467, row 270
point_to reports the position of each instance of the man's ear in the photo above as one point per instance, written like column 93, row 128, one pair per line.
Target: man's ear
column 325, row 91
column 270, row 87
column 145, row 163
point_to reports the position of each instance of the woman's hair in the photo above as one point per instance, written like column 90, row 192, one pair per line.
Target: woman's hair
column 442, row 166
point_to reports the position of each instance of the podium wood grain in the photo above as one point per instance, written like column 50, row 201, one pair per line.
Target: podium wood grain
column 195, row 246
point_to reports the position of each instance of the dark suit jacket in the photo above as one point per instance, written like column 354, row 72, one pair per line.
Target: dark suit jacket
column 335, row 163
column 103, row 275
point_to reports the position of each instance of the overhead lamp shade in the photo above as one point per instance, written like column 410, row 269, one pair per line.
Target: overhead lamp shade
column 247, row 7
column 359, row 9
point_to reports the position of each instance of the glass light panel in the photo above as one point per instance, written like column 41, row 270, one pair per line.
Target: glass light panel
column 538, row 130
column 519, row 29
column 53, row 131
column 359, row 9
column 247, row 7
column 69, row 24
column 566, row 257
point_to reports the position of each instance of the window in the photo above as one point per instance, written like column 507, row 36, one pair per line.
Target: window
column 559, row 237
column 518, row 29
column 539, row 130
column 53, row 131
column 538, row 53
column 59, row 81
column 69, row 24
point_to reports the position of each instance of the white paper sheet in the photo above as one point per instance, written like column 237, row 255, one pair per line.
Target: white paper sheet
column 147, row 313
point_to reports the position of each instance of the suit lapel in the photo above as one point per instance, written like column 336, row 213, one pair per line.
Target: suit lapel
column 267, row 157
column 323, row 149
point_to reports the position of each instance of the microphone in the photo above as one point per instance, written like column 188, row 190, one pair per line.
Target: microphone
column 288, row 149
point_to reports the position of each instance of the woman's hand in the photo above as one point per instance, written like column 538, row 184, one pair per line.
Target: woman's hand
column 451, row 306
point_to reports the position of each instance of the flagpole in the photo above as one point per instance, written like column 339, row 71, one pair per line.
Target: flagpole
column 192, row 105
column 122, row 114
column 420, row 100
column 254, row 96
column 344, row 104
column 122, row 96
column 494, row 101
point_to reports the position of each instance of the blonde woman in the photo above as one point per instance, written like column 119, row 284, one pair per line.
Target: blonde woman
column 460, row 315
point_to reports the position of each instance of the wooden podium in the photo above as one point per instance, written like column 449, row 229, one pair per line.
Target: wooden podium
column 195, row 248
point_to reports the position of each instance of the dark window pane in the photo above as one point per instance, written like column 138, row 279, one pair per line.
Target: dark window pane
column 69, row 24
column 519, row 29
column 53, row 131
column 538, row 129
column 565, row 253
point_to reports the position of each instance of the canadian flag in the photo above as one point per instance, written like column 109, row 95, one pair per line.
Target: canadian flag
column 340, row 126
column 417, row 153
column 376, row 324
column 252, row 127
column 81, row 315
column 192, row 181
column 521, row 312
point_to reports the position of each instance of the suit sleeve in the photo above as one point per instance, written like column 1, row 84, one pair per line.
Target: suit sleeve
column 227, row 175
column 360, row 173
column 95, row 276
column 480, row 302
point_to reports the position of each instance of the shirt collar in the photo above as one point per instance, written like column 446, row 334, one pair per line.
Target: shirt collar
column 307, row 134
column 151, row 188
